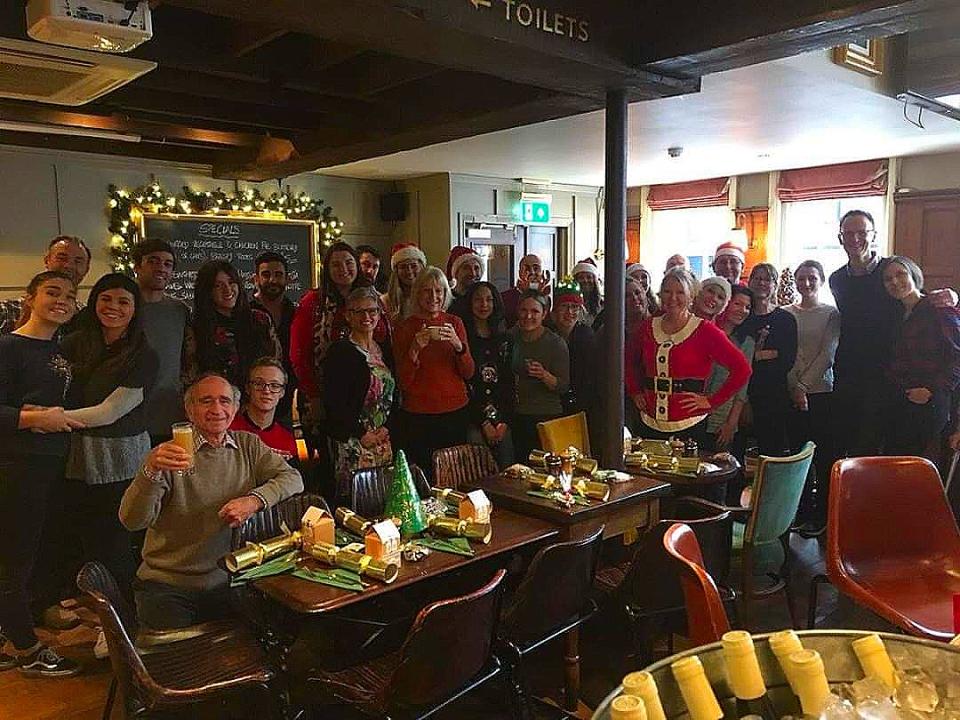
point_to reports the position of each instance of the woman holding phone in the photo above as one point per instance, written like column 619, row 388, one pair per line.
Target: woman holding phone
column 433, row 364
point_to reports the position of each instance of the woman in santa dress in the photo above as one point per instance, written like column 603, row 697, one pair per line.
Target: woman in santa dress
column 672, row 360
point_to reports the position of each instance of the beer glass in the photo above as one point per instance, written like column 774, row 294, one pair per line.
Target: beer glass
column 183, row 436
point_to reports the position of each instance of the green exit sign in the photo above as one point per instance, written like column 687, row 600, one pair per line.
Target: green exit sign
column 532, row 211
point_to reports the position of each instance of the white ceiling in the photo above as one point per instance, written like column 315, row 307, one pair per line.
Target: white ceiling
column 798, row 112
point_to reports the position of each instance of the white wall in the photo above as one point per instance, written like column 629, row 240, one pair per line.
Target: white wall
column 44, row 193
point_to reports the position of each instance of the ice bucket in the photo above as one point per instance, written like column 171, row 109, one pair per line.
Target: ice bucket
column 839, row 661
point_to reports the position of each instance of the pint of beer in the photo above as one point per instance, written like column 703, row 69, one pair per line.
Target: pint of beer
column 183, row 436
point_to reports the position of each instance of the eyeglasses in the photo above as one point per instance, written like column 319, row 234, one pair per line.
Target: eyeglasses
column 369, row 312
column 857, row 235
column 272, row 387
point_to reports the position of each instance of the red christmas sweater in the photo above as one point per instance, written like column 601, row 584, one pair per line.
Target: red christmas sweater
column 687, row 354
column 275, row 436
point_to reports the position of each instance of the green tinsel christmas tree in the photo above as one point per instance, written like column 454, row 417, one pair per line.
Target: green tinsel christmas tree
column 787, row 289
column 403, row 501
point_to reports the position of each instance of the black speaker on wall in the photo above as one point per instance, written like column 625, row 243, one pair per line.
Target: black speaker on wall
column 393, row 206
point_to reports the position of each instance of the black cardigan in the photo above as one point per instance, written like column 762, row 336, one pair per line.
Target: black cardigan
column 347, row 381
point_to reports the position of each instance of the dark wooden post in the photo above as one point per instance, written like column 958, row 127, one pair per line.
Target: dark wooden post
column 615, row 230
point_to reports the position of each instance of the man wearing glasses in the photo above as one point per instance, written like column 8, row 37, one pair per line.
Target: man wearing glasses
column 868, row 318
column 266, row 385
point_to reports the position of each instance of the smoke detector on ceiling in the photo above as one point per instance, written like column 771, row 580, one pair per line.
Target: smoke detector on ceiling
column 102, row 25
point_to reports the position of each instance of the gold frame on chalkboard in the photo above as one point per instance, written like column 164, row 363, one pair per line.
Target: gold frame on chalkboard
column 314, row 232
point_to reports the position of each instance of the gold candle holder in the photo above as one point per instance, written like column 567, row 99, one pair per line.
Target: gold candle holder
column 352, row 522
column 385, row 572
column 253, row 554
column 452, row 527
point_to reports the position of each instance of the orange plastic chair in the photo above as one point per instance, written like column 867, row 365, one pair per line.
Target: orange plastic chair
column 559, row 434
column 892, row 542
column 706, row 617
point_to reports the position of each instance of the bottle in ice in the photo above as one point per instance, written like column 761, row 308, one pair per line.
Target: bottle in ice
column 873, row 657
column 783, row 644
column 642, row 685
column 811, row 678
column 695, row 688
column 743, row 674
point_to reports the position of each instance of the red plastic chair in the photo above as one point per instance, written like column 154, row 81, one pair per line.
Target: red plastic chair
column 892, row 542
column 706, row 617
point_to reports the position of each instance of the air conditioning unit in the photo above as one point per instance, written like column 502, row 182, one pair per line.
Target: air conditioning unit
column 32, row 71
column 102, row 25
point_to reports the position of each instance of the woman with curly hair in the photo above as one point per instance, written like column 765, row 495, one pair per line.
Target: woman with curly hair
column 226, row 334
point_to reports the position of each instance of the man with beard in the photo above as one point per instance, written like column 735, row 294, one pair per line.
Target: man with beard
column 66, row 253
column 165, row 321
column 370, row 267
column 270, row 277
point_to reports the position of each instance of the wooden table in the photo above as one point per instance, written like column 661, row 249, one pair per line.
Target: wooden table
column 710, row 486
column 632, row 504
column 510, row 532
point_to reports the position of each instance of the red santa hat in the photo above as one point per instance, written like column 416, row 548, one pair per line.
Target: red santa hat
column 729, row 248
column 587, row 265
column 459, row 255
column 406, row 251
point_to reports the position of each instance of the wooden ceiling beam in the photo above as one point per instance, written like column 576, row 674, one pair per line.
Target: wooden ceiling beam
column 246, row 38
column 735, row 34
column 497, row 117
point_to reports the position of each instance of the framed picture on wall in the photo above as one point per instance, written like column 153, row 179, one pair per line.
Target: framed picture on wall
column 863, row 55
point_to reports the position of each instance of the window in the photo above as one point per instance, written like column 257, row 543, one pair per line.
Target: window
column 809, row 230
column 694, row 232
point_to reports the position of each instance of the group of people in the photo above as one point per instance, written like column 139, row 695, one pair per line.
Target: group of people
column 424, row 359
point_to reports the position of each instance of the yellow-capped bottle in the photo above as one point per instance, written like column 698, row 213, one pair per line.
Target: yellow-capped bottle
column 784, row 644
column 695, row 688
column 873, row 657
column 627, row 707
column 743, row 674
column 642, row 685
column 811, row 678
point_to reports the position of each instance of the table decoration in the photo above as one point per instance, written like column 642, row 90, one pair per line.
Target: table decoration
column 336, row 577
column 454, row 545
column 403, row 500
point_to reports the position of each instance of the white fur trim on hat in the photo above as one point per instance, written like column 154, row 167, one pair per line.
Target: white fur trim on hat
column 720, row 282
column 634, row 267
column 585, row 267
column 410, row 252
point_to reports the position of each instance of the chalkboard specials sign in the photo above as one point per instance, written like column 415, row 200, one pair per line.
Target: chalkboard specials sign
column 238, row 240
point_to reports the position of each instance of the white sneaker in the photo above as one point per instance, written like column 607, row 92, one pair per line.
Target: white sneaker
column 100, row 649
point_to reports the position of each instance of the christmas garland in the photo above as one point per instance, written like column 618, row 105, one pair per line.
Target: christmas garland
column 126, row 208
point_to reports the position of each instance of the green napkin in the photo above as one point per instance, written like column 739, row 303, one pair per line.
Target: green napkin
column 454, row 545
column 277, row 566
column 336, row 577
column 577, row 500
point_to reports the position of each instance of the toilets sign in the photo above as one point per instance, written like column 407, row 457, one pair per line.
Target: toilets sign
column 530, row 15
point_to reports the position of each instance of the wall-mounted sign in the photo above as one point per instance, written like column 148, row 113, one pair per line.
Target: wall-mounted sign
column 529, row 15
column 532, row 211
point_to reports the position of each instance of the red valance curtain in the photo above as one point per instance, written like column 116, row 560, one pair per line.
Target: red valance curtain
column 698, row 193
column 858, row 179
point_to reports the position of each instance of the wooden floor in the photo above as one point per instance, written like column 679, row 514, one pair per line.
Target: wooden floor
column 603, row 648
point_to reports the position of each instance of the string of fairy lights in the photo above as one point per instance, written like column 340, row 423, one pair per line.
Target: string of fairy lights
column 126, row 209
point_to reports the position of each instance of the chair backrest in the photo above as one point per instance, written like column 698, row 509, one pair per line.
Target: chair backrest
column 368, row 490
column 652, row 582
column 706, row 617
column 268, row 522
column 101, row 594
column 559, row 434
column 887, row 507
column 777, row 489
column 449, row 643
column 554, row 591
column 462, row 465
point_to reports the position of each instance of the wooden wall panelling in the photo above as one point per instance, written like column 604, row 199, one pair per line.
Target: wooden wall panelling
column 928, row 230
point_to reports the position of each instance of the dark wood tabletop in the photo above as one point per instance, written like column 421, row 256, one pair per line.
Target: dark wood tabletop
column 511, row 493
column 511, row 531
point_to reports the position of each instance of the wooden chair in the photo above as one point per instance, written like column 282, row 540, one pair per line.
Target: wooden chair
column 268, row 523
column 224, row 660
column 559, row 434
column 553, row 600
column 706, row 617
column 447, row 653
column 893, row 544
column 646, row 590
column 462, row 465
column 368, row 489
column 777, row 489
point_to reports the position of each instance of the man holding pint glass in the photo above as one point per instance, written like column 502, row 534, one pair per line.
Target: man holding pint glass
column 189, row 501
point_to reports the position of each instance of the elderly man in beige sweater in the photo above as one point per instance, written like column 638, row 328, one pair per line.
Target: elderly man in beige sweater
column 188, row 513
